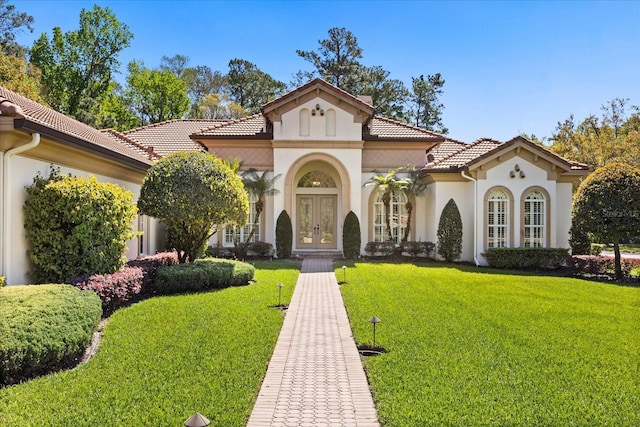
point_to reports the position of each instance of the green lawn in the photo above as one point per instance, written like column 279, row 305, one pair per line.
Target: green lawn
column 165, row 358
column 474, row 347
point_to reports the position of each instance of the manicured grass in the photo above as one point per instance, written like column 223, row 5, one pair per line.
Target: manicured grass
column 165, row 358
column 473, row 346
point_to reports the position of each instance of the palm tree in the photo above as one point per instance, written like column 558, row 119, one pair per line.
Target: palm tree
column 385, row 184
column 412, row 186
column 258, row 186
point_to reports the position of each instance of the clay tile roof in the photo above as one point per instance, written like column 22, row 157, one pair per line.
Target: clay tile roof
column 464, row 154
column 170, row 136
column 245, row 127
column 383, row 128
column 134, row 145
column 65, row 129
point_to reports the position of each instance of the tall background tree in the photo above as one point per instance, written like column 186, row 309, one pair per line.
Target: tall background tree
column 18, row 75
column 78, row 66
column 13, row 23
column 337, row 60
column 251, row 87
column 427, row 109
column 607, row 205
column 614, row 136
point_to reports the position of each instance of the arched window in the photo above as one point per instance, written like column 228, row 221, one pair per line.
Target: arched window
column 498, row 219
column 316, row 179
column 398, row 218
column 305, row 122
column 234, row 234
column 535, row 221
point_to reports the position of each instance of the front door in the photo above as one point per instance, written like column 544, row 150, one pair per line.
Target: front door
column 316, row 221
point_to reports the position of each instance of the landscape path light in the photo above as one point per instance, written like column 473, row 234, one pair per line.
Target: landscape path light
column 344, row 274
column 280, row 286
column 374, row 321
column 197, row 420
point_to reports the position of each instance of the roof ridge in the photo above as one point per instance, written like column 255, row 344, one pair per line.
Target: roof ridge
column 486, row 139
column 455, row 153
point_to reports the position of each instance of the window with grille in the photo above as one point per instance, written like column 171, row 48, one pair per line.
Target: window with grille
column 233, row 234
column 498, row 220
column 534, row 220
column 398, row 219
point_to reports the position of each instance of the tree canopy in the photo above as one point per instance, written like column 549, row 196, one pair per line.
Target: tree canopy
column 193, row 194
column 78, row 66
column 607, row 205
column 614, row 136
column 12, row 23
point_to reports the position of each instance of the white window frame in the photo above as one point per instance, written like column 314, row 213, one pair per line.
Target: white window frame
column 535, row 221
column 398, row 220
column 231, row 233
column 498, row 219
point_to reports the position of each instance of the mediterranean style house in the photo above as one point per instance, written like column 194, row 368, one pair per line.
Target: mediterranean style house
column 321, row 145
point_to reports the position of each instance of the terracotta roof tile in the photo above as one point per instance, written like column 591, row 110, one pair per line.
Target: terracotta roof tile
column 243, row 127
column 463, row 155
column 134, row 145
column 382, row 128
column 51, row 119
column 170, row 136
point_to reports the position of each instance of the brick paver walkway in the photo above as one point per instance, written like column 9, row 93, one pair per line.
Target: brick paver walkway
column 315, row 377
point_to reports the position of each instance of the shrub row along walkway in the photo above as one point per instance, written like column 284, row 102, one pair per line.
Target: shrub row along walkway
column 315, row 377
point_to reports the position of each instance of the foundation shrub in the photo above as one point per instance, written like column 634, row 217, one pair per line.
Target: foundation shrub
column 351, row 237
column 596, row 249
column 284, row 235
column 114, row 289
column 76, row 226
column 3, row 281
column 383, row 249
column 202, row 275
column 416, row 249
column 516, row 258
column 261, row 249
column 150, row 264
column 43, row 328
column 450, row 232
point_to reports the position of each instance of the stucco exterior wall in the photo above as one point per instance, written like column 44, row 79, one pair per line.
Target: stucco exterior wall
column 22, row 171
column 564, row 199
column 462, row 194
column 346, row 128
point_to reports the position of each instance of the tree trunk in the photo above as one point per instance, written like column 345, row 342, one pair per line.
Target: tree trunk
column 618, row 262
column 407, row 230
column 386, row 201
column 259, row 208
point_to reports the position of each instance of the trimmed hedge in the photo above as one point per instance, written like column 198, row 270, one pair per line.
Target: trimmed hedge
column 150, row 264
column 202, row 275
column 544, row 258
column 416, row 249
column 351, row 236
column 284, row 235
column 43, row 328
column 113, row 289
column 384, row 249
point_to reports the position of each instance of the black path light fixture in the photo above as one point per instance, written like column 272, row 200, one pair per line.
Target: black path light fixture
column 197, row 420
column 344, row 274
column 374, row 321
column 280, row 286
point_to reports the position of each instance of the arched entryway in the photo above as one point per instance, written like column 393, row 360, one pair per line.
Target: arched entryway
column 316, row 199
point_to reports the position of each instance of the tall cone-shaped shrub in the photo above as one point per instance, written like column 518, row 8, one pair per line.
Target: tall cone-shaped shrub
column 450, row 232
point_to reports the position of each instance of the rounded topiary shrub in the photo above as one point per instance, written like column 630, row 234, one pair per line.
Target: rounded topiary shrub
column 450, row 232
column 351, row 238
column 44, row 328
column 284, row 235
column 76, row 226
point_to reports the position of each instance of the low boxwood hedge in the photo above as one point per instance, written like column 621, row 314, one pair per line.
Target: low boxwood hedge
column 203, row 274
column 43, row 327
column 543, row 258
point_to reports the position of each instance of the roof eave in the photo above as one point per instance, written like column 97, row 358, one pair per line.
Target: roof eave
column 79, row 143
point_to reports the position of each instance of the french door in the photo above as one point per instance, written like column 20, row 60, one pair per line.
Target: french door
column 316, row 221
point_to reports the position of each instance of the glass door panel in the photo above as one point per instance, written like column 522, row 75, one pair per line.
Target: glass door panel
column 316, row 222
column 305, row 222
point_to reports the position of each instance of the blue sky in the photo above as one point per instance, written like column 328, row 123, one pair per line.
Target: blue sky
column 509, row 67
